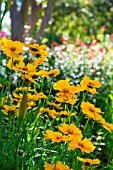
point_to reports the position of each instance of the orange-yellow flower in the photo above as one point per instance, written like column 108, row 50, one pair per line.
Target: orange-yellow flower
column 66, row 99
column 57, row 166
column 66, row 90
column 54, row 72
column 65, row 113
column 91, row 111
column 107, row 126
column 90, row 85
column 10, row 110
column 12, row 48
column 15, row 63
column 53, row 136
column 37, row 50
column 54, row 105
column 90, row 161
column 84, row 145
column 70, row 130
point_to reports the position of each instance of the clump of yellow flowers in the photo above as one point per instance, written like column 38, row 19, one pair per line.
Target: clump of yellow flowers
column 59, row 109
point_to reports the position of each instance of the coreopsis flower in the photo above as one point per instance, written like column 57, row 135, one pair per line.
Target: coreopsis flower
column 25, row 89
column 30, row 104
column 39, row 61
column 15, row 63
column 33, row 97
column 37, row 50
column 43, row 73
column 55, row 105
column 53, row 113
column 90, row 85
column 28, row 78
column 29, row 69
column 90, row 161
column 65, row 113
column 53, row 136
column 70, row 130
column 66, row 99
column 107, row 126
column 10, row 110
column 66, row 90
column 57, row 166
column 84, row 145
column 91, row 111
column 54, row 72
column 41, row 95
column 12, row 48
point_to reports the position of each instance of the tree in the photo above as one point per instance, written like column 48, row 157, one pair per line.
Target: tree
column 28, row 12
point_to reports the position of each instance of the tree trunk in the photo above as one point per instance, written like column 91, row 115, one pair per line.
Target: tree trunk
column 46, row 18
column 36, row 9
column 18, row 18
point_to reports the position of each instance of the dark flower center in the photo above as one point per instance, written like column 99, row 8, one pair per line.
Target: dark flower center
column 90, row 85
column 13, row 48
column 70, row 131
column 91, row 109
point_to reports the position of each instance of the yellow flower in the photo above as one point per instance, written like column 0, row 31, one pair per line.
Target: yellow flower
column 70, row 130
column 84, row 145
column 57, row 166
column 31, row 104
column 43, row 73
column 41, row 95
column 39, row 61
column 28, row 77
column 53, row 136
column 37, row 50
column 66, row 99
column 15, row 63
column 54, row 72
column 48, row 166
column 33, row 97
column 53, row 113
column 12, row 48
column 91, row 111
column 0, row 85
column 54, row 104
column 10, row 110
column 107, row 126
column 90, row 161
column 65, row 113
column 66, row 90
column 25, row 89
column 90, row 85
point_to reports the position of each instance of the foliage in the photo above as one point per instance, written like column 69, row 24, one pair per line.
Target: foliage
column 56, row 130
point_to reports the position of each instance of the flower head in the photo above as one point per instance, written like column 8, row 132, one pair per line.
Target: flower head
column 90, row 161
column 12, row 48
column 84, row 145
column 70, row 130
column 53, row 136
column 91, row 111
column 57, row 166
column 90, row 85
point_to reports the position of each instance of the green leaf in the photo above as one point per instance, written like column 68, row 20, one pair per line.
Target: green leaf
column 23, row 109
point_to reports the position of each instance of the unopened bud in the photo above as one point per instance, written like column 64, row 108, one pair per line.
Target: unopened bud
column 81, row 127
column 6, row 119
column 20, row 152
